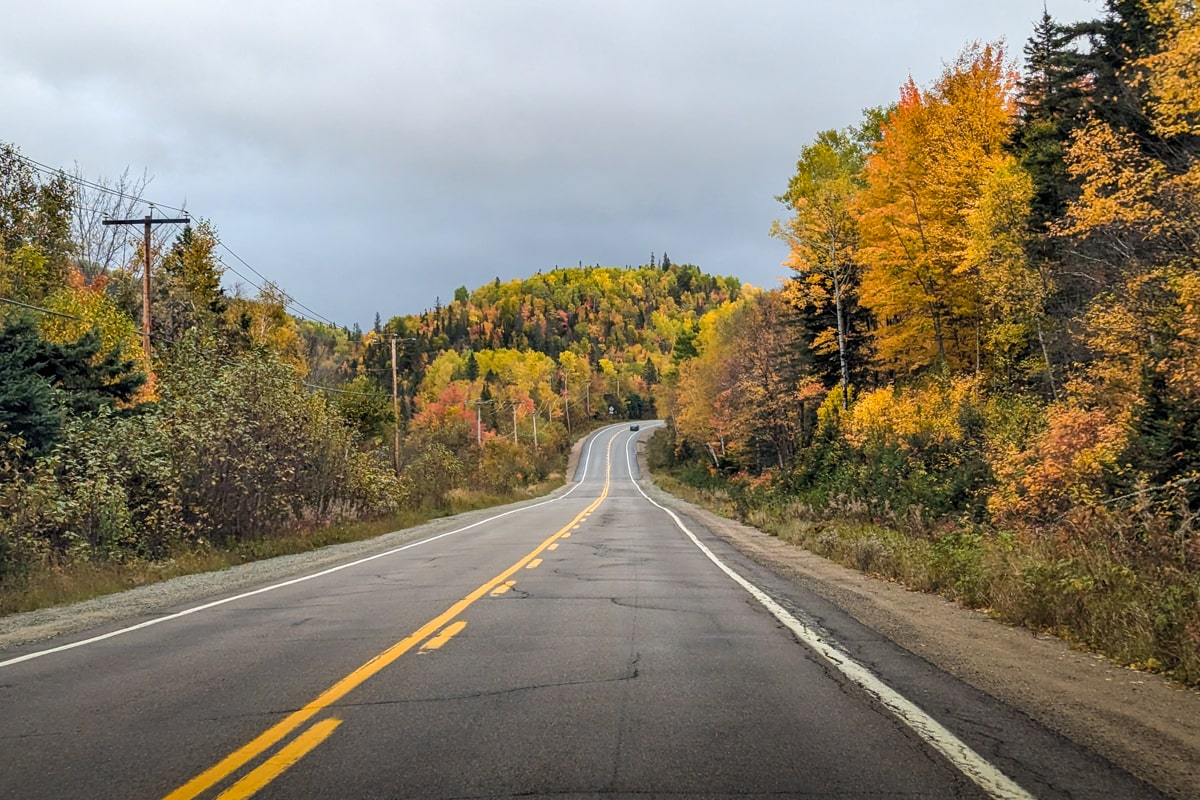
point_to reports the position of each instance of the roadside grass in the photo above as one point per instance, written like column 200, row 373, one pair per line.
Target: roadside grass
column 1115, row 584
column 57, row 584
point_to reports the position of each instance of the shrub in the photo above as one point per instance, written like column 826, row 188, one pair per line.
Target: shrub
column 430, row 477
column 1069, row 463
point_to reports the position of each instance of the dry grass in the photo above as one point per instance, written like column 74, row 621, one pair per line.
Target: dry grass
column 1122, row 585
column 56, row 584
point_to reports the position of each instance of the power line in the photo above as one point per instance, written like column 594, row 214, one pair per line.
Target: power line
column 288, row 302
column 12, row 302
column 340, row 391
column 289, row 299
column 48, row 170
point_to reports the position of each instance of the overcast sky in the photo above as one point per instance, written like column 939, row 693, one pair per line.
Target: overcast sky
column 372, row 156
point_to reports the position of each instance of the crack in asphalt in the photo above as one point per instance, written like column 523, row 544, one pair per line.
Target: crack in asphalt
column 631, row 673
column 627, row 603
column 628, row 676
column 46, row 735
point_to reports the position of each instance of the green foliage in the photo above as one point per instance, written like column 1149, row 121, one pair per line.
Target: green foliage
column 660, row 448
column 188, row 291
column 430, row 477
column 367, row 408
column 41, row 383
column 503, row 466
column 35, row 216
column 255, row 453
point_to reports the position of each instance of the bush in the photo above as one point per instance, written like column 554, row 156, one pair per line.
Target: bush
column 255, row 453
column 660, row 448
column 428, row 480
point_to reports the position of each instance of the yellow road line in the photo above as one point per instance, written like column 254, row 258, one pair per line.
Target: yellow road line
column 533, row 564
column 553, row 546
column 275, row 766
column 268, row 738
column 446, row 635
column 504, row 587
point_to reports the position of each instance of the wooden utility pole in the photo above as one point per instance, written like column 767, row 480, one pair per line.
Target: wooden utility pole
column 479, row 404
column 396, row 402
column 395, row 412
column 147, row 221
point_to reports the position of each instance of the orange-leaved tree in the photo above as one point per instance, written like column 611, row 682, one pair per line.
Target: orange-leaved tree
column 924, row 181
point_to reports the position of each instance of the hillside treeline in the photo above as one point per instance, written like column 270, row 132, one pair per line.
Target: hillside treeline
column 609, row 334
column 991, row 342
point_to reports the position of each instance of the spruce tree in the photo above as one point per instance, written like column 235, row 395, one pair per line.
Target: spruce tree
column 41, row 382
column 1051, row 103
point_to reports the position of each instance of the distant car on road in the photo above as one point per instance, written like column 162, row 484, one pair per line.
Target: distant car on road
column 633, row 427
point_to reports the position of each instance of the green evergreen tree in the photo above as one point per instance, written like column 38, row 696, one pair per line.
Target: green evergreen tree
column 1052, row 99
column 41, row 382
column 1100, row 57
column 649, row 373
column 188, row 291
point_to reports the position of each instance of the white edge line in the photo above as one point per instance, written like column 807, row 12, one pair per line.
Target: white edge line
column 302, row 578
column 970, row 763
column 631, row 453
column 587, row 453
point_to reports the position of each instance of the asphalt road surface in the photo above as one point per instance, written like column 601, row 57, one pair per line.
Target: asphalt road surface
column 593, row 645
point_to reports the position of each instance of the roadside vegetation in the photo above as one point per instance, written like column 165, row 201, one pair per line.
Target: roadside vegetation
column 50, row 584
column 982, row 379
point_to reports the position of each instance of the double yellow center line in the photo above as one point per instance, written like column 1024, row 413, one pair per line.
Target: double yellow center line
column 255, row 780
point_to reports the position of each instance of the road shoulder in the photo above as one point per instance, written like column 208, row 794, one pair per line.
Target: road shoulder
column 1143, row 723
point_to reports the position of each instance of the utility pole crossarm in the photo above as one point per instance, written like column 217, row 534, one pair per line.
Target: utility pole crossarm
column 143, row 220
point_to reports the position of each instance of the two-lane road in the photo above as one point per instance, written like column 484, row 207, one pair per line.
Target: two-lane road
column 594, row 644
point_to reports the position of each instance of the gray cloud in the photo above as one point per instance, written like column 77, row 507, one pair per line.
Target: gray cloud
column 373, row 156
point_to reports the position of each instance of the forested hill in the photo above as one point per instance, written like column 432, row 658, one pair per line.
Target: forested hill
column 591, row 311
column 631, row 323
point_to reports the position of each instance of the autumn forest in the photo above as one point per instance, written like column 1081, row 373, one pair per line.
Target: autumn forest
column 984, row 377
column 981, row 379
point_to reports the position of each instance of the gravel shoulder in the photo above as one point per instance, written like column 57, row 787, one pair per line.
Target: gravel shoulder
column 1143, row 723
column 32, row 627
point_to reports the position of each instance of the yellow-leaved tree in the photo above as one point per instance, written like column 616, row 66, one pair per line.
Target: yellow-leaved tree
column 700, row 418
column 918, row 214
column 1137, row 221
column 1174, row 90
column 822, row 235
